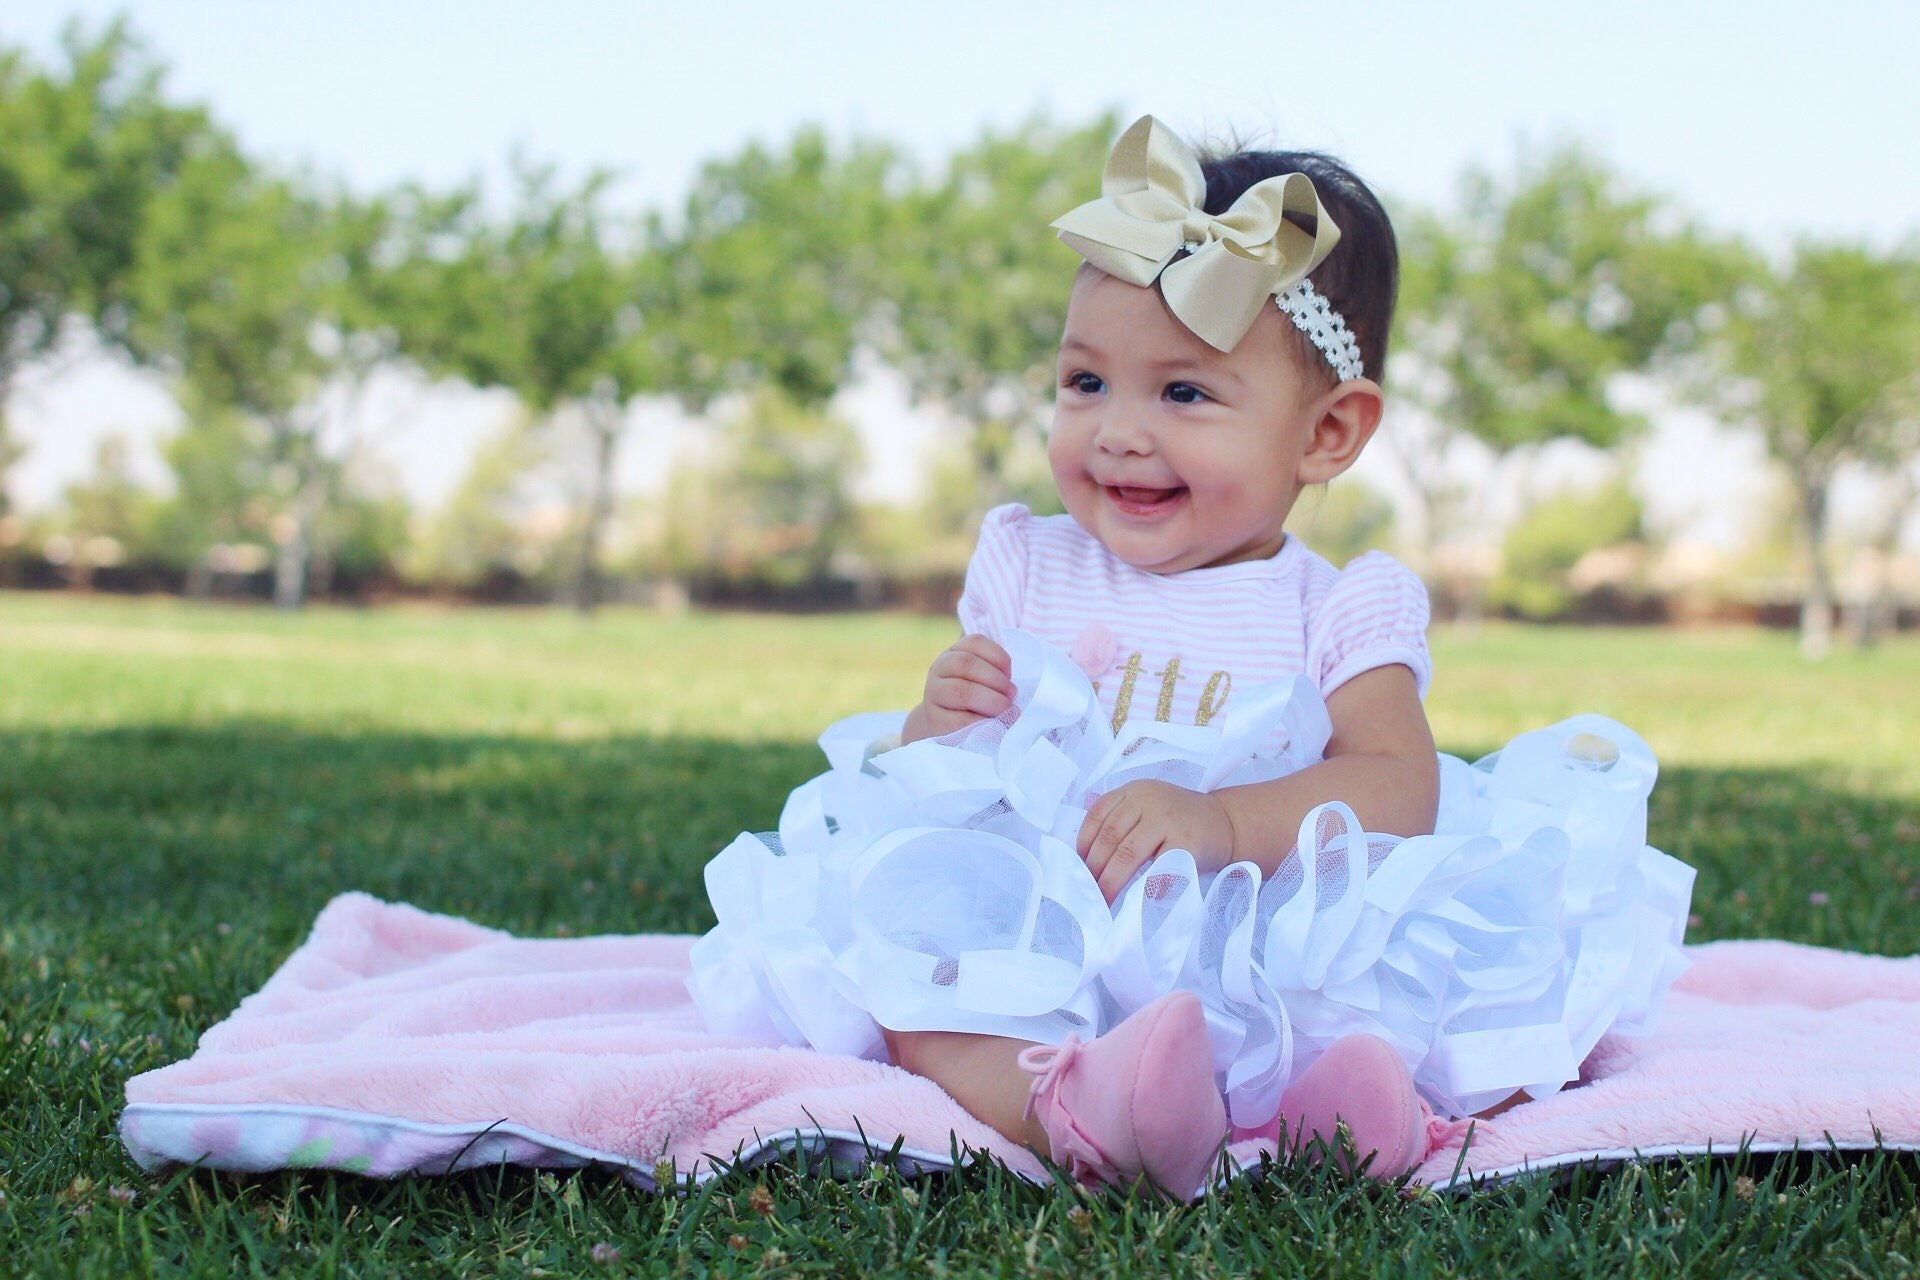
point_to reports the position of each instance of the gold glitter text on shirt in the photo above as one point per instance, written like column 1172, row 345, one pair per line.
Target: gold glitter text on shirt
column 1212, row 698
column 1124, row 702
column 1219, row 685
column 1164, row 712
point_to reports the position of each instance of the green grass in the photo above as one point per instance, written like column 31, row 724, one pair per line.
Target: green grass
column 182, row 788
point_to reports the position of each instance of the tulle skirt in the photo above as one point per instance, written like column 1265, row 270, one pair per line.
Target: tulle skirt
column 936, row 887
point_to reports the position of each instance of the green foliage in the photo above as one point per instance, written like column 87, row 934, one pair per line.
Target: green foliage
column 1821, row 357
column 232, row 488
column 275, row 298
column 111, row 506
column 223, row 492
column 248, row 289
column 543, row 302
column 88, row 146
column 1817, row 355
column 480, row 531
column 10, row 451
column 1343, row 519
column 546, row 304
column 952, row 506
column 183, row 788
column 977, row 286
column 775, row 506
column 1520, row 309
column 1552, row 535
column 234, row 272
column 775, row 264
column 364, row 531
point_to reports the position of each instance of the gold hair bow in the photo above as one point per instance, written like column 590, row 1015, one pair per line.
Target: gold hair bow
column 1150, row 209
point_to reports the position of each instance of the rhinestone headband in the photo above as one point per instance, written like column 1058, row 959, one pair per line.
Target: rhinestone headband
column 1326, row 328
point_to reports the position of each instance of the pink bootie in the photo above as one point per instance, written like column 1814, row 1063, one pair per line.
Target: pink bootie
column 1138, row 1102
column 1360, row 1083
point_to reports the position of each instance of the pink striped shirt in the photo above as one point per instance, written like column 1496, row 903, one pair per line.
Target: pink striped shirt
column 1184, row 640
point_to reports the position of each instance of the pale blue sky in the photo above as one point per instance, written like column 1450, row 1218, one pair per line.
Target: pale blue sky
column 1772, row 118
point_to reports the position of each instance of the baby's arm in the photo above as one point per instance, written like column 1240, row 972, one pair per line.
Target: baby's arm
column 972, row 680
column 1380, row 761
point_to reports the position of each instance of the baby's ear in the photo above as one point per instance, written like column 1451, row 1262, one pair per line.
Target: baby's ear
column 1344, row 420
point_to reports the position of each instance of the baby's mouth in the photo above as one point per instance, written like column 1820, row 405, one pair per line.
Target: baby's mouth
column 1134, row 500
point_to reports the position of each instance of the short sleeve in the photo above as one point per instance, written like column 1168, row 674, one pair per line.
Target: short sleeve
column 997, row 575
column 1375, row 615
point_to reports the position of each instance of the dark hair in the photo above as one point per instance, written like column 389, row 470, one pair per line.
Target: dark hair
column 1361, row 277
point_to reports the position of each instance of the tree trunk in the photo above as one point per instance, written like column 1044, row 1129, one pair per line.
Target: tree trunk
column 200, row 578
column 605, row 424
column 9, row 451
column 320, row 569
column 1438, row 499
column 1816, row 603
column 293, row 556
column 987, row 447
column 290, row 572
column 1877, row 609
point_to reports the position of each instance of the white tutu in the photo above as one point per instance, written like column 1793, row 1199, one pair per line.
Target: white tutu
column 936, row 887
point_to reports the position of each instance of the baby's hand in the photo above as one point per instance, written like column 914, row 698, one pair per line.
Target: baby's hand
column 1136, row 823
column 971, row 681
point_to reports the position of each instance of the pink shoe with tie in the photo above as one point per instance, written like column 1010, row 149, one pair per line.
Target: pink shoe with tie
column 1361, row 1086
column 1139, row 1102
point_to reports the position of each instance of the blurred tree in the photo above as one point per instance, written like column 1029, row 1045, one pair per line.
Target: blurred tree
column 10, row 451
column 479, row 535
column 254, row 289
column 1340, row 521
column 976, row 286
column 776, row 505
column 1892, row 452
column 1518, row 312
column 954, row 495
column 226, row 296
column 84, row 150
column 773, row 274
column 764, row 279
column 1819, row 357
column 109, row 515
column 228, row 505
column 775, row 265
column 222, row 493
column 1553, row 535
column 547, row 305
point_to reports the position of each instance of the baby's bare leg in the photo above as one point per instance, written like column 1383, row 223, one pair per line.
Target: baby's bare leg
column 1505, row 1104
column 982, row 1073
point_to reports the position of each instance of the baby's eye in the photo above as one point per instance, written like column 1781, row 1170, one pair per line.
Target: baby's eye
column 1087, row 384
column 1185, row 393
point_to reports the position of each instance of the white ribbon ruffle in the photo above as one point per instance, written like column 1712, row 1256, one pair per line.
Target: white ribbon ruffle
column 936, row 887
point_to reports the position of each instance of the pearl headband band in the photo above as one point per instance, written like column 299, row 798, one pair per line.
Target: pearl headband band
column 1326, row 328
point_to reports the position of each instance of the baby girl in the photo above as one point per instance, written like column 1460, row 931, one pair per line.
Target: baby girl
column 1231, row 897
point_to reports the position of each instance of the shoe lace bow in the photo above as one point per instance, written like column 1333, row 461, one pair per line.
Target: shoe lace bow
column 1050, row 1065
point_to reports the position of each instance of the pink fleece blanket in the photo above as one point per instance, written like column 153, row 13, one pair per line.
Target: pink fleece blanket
column 395, row 1041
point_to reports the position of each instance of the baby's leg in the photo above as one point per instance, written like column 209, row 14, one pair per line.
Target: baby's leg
column 1138, row 1102
column 982, row 1073
column 1506, row 1104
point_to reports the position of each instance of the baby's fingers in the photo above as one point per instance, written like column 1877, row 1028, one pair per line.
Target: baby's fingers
column 1114, row 849
column 1136, row 850
column 956, row 664
column 1095, row 821
column 967, row 695
column 990, row 652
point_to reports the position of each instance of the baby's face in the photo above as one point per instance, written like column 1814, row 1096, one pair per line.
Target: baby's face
column 1174, row 455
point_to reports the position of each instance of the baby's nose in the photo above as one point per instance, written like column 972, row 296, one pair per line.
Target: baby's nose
column 1122, row 432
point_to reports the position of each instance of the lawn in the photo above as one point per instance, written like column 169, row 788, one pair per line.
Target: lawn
column 182, row 788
